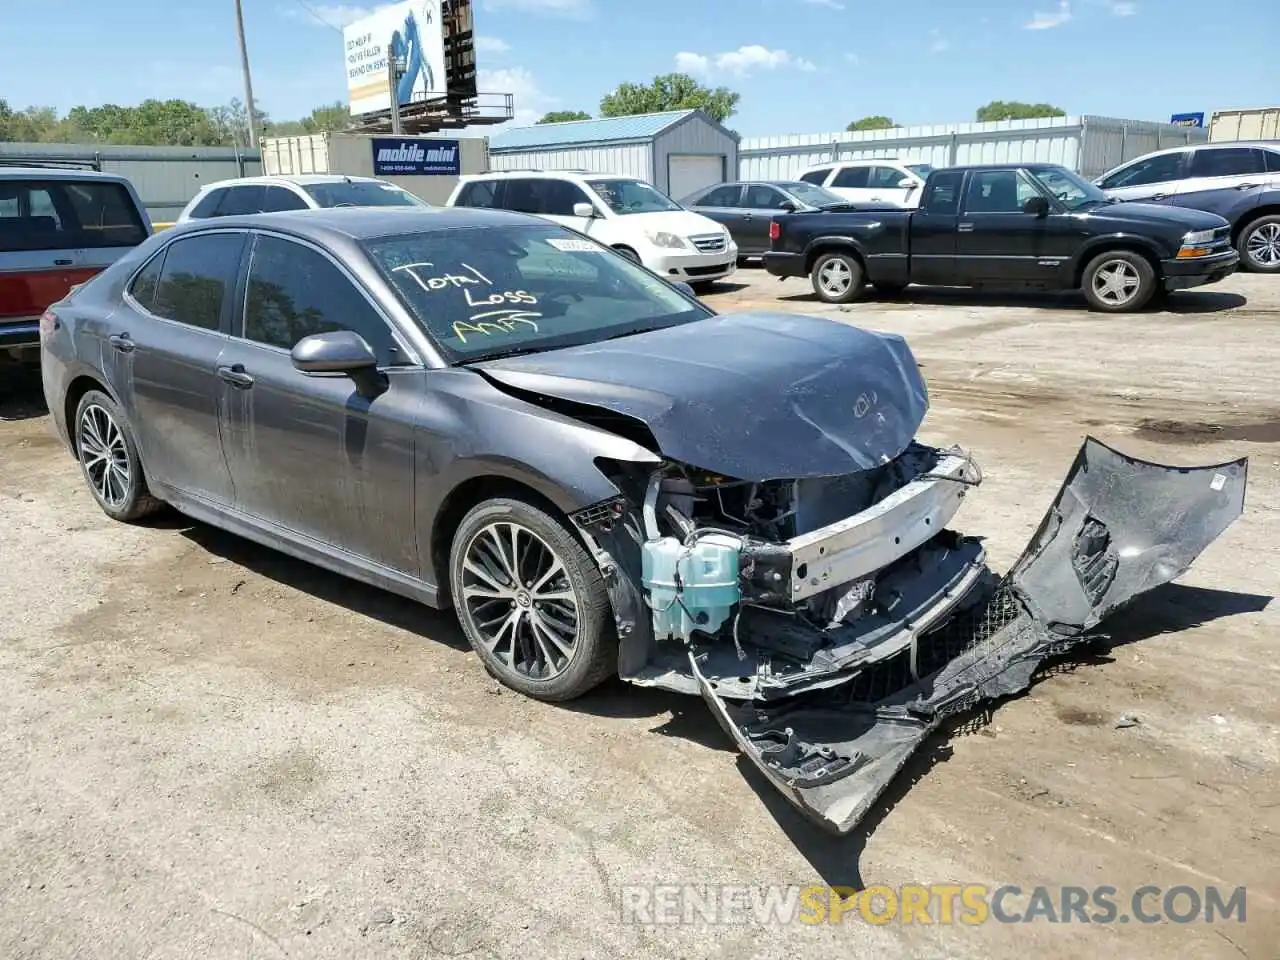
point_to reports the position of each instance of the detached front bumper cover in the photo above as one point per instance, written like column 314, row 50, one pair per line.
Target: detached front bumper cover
column 1118, row 528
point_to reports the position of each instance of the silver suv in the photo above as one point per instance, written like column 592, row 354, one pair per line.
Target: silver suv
column 1237, row 180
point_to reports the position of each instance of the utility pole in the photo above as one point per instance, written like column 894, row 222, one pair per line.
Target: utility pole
column 394, row 72
column 250, row 112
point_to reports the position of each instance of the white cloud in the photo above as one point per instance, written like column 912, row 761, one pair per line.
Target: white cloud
column 1047, row 21
column 830, row 4
column 1124, row 9
column 492, row 45
column 530, row 101
column 327, row 14
column 572, row 9
column 741, row 62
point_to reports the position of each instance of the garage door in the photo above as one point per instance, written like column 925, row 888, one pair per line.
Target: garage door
column 688, row 174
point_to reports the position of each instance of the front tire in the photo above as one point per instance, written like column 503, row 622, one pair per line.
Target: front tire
column 1119, row 281
column 1259, row 245
column 109, row 459
column 629, row 254
column 531, row 601
column 838, row 277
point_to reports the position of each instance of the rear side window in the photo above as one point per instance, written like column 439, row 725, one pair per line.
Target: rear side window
column 281, row 198
column 67, row 214
column 818, row 177
column 198, row 276
column 208, row 205
column 852, row 177
column 478, row 193
column 720, row 197
column 524, row 196
column 942, row 193
column 1272, row 160
column 238, row 201
column 143, row 288
column 1227, row 162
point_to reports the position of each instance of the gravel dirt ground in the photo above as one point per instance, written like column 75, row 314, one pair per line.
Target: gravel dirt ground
column 208, row 749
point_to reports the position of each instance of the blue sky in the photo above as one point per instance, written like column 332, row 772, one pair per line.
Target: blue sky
column 802, row 66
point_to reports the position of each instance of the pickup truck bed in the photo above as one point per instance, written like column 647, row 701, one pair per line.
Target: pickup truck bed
column 1035, row 226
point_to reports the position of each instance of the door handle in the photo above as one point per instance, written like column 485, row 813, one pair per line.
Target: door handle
column 122, row 343
column 966, row 228
column 1245, row 186
column 747, row 217
column 875, row 199
column 1159, row 196
column 63, row 262
column 236, row 376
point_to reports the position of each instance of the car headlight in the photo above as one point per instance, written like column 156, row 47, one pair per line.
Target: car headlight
column 668, row 240
column 1196, row 243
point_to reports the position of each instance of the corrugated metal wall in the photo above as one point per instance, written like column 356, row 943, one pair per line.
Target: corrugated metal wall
column 692, row 137
column 1089, row 145
column 1260, row 123
column 626, row 159
column 165, row 177
column 352, row 154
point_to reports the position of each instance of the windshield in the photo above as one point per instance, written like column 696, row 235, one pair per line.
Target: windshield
column 921, row 170
column 632, row 196
column 487, row 291
column 361, row 193
column 1074, row 192
column 814, row 196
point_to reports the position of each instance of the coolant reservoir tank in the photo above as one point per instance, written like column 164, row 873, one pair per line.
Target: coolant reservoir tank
column 692, row 587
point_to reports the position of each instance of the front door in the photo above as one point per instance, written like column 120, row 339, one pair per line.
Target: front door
column 1149, row 180
column 313, row 454
column 996, row 241
column 883, row 186
column 161, row 353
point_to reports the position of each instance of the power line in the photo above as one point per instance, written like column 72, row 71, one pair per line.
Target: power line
column 319, row 19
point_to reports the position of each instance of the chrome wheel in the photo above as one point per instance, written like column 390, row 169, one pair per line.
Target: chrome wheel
column 1116, row 282
column 517, row 593
column 835, row 278
column 1263, row 245
column 104, row 456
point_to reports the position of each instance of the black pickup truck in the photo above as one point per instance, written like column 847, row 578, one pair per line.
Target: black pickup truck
column 1025, row 225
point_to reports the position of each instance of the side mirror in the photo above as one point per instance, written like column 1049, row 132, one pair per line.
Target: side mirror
column 339, row 351
column 907, row 183
column 684, row 288
column 1036, row 206
column 584, row 210
column 786, row 206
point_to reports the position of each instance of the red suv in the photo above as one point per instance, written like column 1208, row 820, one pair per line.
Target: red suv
column 58, row 228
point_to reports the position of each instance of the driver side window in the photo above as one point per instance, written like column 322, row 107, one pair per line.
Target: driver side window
column 1158, row 169
column 295, row 291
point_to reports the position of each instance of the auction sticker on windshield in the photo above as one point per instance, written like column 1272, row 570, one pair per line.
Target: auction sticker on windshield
column 574, row 245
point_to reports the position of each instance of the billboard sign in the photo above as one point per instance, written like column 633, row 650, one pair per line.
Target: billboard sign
column 412, row 31
column 1187, row 119
column 407, row 157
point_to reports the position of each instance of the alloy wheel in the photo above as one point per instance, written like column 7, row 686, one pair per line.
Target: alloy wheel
column 104, row 455
column 1263, row 245
column 835, row 277
column 517, row 594
column 1116, row 282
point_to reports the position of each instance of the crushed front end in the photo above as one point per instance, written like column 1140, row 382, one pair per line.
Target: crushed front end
column 832, row 623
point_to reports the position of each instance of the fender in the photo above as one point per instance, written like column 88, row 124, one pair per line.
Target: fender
column 1120, row 238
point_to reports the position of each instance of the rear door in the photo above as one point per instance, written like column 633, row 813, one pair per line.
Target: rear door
column 761, row 203
column 1221, row 180
column 163, row 350
column 54, row 234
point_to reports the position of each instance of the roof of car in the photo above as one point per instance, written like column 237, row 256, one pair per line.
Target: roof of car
column 57, row 173
column 364, row 223
column 299, row 179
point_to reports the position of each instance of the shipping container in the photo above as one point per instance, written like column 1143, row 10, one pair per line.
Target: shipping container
column 166, row 178
column 1086, row 144
column 1260, row 123
column 357, row 155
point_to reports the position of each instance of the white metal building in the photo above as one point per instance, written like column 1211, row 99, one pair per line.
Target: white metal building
column 678, row 152
column 1088, row 145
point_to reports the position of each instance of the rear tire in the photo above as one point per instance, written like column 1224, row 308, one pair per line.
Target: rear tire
column 1119, row 281
column 838, row 277
column 109, row 459
column 1259, row 245
column 531, row 601
column 629, row 254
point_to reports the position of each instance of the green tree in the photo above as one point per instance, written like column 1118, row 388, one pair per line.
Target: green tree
column 872, row 123
column 1017, row 110
column 32, row 125
column 331, row 118
column 564, row 116
column 671, row 91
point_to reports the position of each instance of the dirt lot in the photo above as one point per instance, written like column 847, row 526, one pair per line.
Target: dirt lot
column 212, row 750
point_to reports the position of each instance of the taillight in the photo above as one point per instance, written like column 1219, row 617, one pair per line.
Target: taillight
column 775, row 231
column 48, row 323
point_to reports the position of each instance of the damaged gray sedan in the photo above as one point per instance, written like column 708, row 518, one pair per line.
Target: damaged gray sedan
column 601, row 476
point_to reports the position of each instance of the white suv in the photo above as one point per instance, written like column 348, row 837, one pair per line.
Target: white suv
column 244, row 195
column 887, row 181
column 620, row 212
